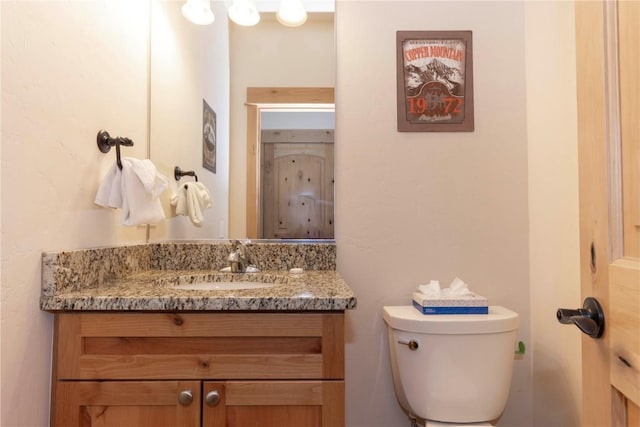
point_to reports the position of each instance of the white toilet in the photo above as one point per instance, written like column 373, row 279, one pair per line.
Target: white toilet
column 451, row 369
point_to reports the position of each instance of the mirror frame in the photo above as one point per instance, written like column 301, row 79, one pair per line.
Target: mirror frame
column 264, row 98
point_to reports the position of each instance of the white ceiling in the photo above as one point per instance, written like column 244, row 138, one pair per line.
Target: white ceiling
column 310, row 5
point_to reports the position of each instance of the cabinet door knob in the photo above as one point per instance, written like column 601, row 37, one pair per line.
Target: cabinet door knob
column 185, row 397
column 212, row 398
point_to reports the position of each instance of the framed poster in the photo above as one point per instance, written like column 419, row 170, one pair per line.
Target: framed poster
column 435, row 81
column 208, row 137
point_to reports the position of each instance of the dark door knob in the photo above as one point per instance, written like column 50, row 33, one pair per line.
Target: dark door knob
column 589, row 319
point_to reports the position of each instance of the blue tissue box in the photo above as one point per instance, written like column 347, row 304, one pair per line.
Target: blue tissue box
column 451, row 309
column 468, row 304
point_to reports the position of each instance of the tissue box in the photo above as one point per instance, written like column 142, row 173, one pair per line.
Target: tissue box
column 471, row 304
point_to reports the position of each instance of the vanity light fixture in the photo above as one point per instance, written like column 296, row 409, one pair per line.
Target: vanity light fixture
column 198, row 11
column 244, row 12
column 292, row 13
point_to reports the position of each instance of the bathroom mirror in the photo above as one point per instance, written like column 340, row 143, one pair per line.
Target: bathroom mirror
column 199, row 72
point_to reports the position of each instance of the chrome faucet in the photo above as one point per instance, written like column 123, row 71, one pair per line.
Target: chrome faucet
column 238, row 258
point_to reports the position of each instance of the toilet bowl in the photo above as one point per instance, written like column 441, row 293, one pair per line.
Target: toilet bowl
column 452, row 368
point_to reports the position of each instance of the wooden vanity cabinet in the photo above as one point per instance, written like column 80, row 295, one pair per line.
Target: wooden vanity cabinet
column 198, row 369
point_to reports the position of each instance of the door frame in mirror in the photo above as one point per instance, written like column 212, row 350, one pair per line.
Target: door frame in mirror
column 264, row 98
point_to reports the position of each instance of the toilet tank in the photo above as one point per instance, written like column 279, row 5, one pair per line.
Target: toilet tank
column 461, row 371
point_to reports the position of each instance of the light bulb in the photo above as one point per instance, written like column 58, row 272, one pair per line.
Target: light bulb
column 198, row 11
column 244, row 12
column 291, row 13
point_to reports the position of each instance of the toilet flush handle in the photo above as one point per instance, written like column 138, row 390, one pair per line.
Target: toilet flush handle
column 412, row 344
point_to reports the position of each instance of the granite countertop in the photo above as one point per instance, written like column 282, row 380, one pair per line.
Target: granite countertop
column 91, row 280
column 152, row 290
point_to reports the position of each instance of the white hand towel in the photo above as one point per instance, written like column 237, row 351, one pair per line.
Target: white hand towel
column 191, row 200
column 141, row 185
column 135, row 189
column 109, row 193
column 179, row 200
column 154, row 182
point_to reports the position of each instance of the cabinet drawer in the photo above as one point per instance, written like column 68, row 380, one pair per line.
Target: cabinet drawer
column 199, row 345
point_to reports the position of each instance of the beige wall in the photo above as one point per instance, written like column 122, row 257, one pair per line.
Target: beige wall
column 270, row 55
column 69, row 69
column 553, row 211
column 496, row 207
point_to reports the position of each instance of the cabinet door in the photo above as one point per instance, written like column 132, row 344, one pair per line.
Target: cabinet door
column 127, row 403
column 273, row 404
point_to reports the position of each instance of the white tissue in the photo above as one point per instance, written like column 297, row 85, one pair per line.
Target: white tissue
column 457, row 288
column 431, row 290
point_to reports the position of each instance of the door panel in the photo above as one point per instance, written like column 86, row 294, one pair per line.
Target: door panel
column 624, row 320
column 126, row 403
column 629, row 46
column 274, row 416
column 275, row 404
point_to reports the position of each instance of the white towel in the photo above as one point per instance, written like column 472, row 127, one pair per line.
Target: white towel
column 191, row 200
column 135, row 189
column 109, row 193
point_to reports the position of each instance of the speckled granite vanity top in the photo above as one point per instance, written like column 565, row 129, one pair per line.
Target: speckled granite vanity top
column 142, row 278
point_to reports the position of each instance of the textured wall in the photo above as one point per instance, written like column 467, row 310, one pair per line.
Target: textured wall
column 553, row 211
column 69, row 69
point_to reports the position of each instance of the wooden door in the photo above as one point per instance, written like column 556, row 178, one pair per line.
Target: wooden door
column 297, row 179
column 274, row 404
column 608, row 76
column 126, row 403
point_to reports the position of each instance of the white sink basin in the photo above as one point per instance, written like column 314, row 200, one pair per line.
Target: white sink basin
column 218, row 281
column 223, row 286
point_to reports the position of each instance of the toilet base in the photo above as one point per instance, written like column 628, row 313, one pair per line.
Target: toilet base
column 430, row 423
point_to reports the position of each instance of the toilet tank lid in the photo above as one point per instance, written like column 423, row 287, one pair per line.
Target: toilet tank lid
column 407, row 318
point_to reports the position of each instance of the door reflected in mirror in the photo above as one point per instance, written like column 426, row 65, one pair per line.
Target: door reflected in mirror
column 296, row 174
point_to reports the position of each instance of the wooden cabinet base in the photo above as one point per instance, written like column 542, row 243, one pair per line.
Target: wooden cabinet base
column 204, row 369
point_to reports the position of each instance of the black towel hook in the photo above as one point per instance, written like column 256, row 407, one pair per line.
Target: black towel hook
column 179, row 173
column 105, row 142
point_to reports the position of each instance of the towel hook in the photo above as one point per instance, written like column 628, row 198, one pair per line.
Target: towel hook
column 179, row 173
column 105, row 142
